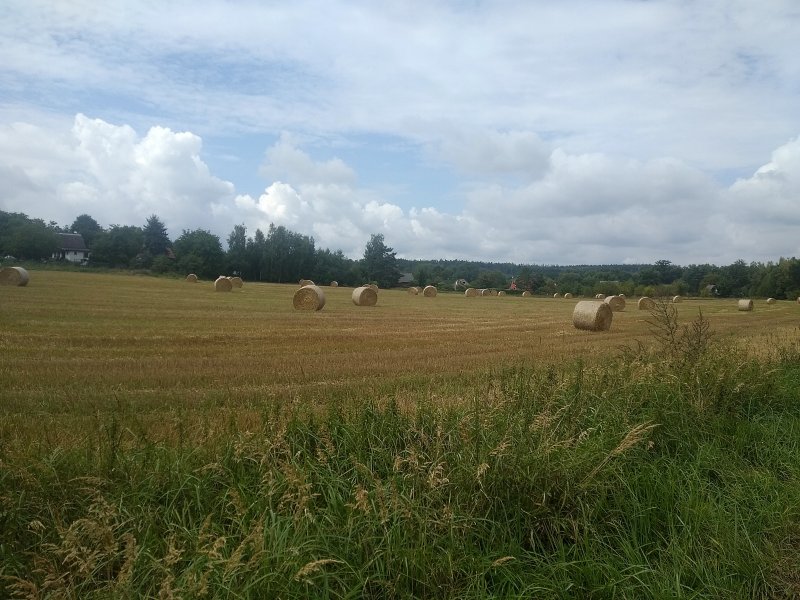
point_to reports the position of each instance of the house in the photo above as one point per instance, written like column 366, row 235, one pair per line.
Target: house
column 406, row 279
column 72, row 248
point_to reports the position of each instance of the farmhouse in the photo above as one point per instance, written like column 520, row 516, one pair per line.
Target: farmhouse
column 72, row 248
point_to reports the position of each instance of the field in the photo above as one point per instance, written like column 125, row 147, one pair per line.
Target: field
column 159, row 438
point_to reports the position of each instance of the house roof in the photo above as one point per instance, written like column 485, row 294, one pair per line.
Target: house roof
column 406, row 278
column 72, row 241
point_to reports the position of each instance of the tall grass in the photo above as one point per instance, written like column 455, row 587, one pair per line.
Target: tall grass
column 646, row 476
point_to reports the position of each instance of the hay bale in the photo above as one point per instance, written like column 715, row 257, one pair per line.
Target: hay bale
column 745, row 304
column 615, row 303
column 365, row 296
column 485, row 292
column 471, row 292
column 526, row 294
column 191, row 278
column 592, row 316
column 223, row 284
column 309, row 297
column 556, row 295
column 236, row 282
column 677, row 299
column 568, row 296
column 621, row 295
column 305, row 282
column 14, row 276
column 501, row 293
column 429, row 291
column 413, row 291
column 334, row 284
column 770, row 300
column 646, row 303
column 370, row 285
column 600, row 296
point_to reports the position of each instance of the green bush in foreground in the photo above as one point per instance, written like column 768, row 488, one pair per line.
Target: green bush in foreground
column 654, row 476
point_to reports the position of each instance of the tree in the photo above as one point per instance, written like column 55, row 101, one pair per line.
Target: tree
column 380, row 263
column 156, row 240
column 200, row 252
column 490, row 279
column 87, row 227
column 26, row 238
column 117, row 247
column 237, row 250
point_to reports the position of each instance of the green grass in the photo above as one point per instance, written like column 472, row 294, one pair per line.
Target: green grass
column 666, row 471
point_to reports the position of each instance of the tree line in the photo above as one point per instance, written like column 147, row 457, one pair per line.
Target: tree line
column 283, row 256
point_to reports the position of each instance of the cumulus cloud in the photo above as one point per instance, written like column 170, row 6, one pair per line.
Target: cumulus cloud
column 112, row 173
column 580, row 208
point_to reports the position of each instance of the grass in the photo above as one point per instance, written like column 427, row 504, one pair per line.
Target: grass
column 161, row 440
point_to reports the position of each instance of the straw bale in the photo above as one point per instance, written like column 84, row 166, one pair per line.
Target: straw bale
column 365, row 296
column 14, row 276
column 592, row 316
column 223, row 284
column 429, row 291
column 304, row 282
column 191, row 278
column 677, row 299
column 309, row 297
column 485, row 292
column 414, row 291
column 600, row 296
column 236, row 282
column 621, row 295
column 568, row 296
column 471, row 292
column 526, row 294
column 334, row 284
column 501, row 293
column 646, row 303
column 370, row 285
column 556, row 295
column 616, row 303
column 770, row 300
column 745, row 304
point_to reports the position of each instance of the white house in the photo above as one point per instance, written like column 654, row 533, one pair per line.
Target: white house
column 73, row 248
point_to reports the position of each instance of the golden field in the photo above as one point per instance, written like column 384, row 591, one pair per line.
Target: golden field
column 78, row 345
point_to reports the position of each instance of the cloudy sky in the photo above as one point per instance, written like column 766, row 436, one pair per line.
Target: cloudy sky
column 544, row 132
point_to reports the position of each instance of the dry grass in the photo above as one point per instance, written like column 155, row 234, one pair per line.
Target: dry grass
column 79, row 345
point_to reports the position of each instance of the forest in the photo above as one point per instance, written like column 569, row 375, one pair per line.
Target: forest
column 280, row 255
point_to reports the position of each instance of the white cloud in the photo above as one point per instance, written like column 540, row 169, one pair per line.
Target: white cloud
column 111, row 173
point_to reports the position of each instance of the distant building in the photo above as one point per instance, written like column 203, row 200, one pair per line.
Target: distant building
column 73, row 248
column 406, row 279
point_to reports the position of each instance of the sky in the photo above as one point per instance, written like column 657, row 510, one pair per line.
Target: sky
column 531, row 131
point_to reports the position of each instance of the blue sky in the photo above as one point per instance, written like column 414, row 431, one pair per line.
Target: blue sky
column 578, row 131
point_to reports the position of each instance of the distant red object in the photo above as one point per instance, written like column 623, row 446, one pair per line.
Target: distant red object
column 513, row 285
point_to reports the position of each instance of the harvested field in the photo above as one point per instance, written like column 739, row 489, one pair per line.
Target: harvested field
column 78, row 343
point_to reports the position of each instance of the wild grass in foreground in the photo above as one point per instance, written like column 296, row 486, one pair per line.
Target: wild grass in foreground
column 655, row 475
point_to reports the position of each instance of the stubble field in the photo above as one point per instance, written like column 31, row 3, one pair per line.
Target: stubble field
column 158, row 438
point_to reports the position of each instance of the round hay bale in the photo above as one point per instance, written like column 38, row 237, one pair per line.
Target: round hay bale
column 526, row 294
column 223, row 284
column 429, row 291
column 592, row 316
column 770, row 300
column 365, row 296
column 305, row 282
column 745, row 304
column 309, row 297
column 14, row 276
column 556, row 295
column 798, row 299
column 414, row 291
column 191, row 278
column 334, row 284
column 646, row 303
column 471, row 292
column 568, row 296
column 616, row 303
column 370, row 285
column 677, row 299
column 236, row 282
column 621, row 295
column 600, row 296
column 501, row 293
column 484, row 292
